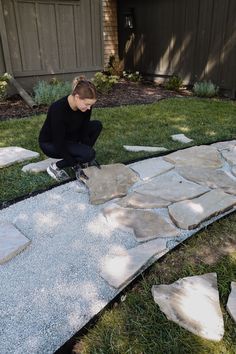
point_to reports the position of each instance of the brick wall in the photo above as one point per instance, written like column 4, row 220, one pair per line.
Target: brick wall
column 110, row 34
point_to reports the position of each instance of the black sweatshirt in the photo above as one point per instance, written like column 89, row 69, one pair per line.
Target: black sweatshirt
column 63, row 124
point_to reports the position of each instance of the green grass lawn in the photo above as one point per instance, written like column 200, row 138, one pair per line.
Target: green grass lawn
column 203, row 120
column 136, row 325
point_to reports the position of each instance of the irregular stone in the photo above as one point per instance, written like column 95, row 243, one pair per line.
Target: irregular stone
column 188, row 214
column 10, row 155
column 224, row 145
column 146, row 225
column 193, row 303
column 204, row 156
column 231, row 304
column 144, row 148
column 12, row 242
column 230, row 156
column 142, row 201
column 109, row 182
column 40, row 166
column 209, row 177
column 119, row 269
column 234, row 170
column 181, row 138
column 151, row 167
column 171, row 187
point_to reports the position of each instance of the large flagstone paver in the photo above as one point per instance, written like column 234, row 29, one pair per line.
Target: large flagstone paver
column 119, row 269
column 12, row 242
column 209, row 177
column 172, row 187
column 151, row 167
column 136, row 148
column 230, row 156
column 234, row 170
column 146, row 225
column 204, row 156
column 10, row 155
column 109, row 182
column 225, row 145
column 188, row 214
column 193, row 303
column 40, row 166
column 231, row 303
column 142, row 201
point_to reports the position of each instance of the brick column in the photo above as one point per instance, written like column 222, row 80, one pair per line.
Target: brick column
column 110, row 29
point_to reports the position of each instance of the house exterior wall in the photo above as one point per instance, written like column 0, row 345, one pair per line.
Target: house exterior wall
column 192, row 38
column 110, row 30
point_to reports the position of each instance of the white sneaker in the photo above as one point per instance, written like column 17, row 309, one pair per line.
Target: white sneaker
column 56, row 173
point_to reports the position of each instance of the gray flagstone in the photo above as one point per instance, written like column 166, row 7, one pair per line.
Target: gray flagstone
column 151, row 167
column 172, row 187
column 146, row 225
column 193, row 303
column 12, row 242
column 188, row 214
column 225, row 145
column 181, row 138
column 118, row 269
column 231, row 304
column 40, row 166
column 135, row 148
column 10, row 155
column 230, row 156
column 204, row 156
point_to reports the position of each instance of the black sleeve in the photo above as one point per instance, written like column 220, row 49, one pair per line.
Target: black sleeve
column 58, row 134
column 85, row 128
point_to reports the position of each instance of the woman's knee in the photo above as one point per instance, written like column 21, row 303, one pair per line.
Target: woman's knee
column 97, row 125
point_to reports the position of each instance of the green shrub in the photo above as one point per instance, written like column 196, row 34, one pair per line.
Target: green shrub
column 3, row 86
column 134, row 77
column 205, row 89
column 104, row 83
column 173, row 83
column 47, row 93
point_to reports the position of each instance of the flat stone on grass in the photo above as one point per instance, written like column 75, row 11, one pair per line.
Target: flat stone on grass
column 231, row 304
column 144, row 148
column 145, row 224
column 12, row 242
column 193, row 303
column 151, row 167
column 181, row 138
column 118, row 269
column 10, row 155
column 40, row 166
column 188, row 214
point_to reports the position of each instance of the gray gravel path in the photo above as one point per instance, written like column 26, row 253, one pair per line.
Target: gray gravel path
column 53, row 288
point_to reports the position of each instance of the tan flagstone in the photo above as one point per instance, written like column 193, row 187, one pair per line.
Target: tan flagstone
column 142, row 201
column 230, row 156
column 188, row 214
column 119, row 269
column 146, row 225
column 111, row 181
column 204, row 156
column 193, row 303
column 209, row 177
column 225, row 145
column 151, row 167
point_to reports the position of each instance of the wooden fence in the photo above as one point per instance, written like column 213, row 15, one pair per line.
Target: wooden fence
column 193, row 38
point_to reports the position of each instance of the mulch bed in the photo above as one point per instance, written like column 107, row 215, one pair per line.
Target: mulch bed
column 123, row 93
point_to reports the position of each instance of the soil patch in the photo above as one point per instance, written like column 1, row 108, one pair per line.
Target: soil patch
column 123, row 93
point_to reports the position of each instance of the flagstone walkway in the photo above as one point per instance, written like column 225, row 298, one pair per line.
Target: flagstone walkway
column 87, row 244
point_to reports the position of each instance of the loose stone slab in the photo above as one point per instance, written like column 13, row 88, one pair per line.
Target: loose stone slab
column 204, row 156
column 209, row 177
column 171, row 187
column 10, row 155
column 142, row 201
column 146, row 225
column 151, row 167
column 181, row 138
column 231, row 304
column 109, row 182
column 119, row 269
column 143, row 148
column 40, row 166
column 188, row 214
column 230, row 156
column 193, row 303
column 12, row 242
